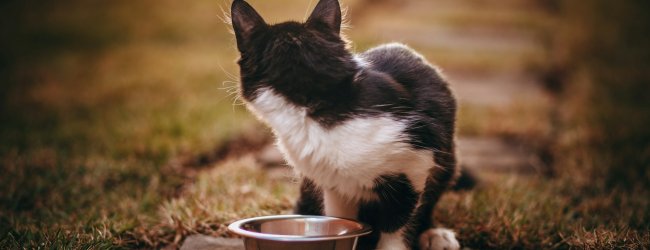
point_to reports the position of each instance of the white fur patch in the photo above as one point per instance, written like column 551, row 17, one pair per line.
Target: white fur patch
column 348, row 157
column 392, row 241
column 360, row 61
column 338, row 206
column 438, row 239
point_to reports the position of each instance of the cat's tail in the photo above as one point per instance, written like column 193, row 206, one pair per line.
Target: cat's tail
column 466, row 181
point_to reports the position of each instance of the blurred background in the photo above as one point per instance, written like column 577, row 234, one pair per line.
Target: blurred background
column 121, row 127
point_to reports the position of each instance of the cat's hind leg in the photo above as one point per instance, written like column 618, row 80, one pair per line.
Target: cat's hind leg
column 425, row 235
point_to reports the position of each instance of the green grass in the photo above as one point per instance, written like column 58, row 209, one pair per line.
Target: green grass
column 103, row 102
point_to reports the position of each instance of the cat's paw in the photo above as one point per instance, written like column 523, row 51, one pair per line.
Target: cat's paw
column 438, row 239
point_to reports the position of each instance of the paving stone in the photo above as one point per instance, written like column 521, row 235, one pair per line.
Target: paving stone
column 204, row 242
column 497, row 89
column 481, row 154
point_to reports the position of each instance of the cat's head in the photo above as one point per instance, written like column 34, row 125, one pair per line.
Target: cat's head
column 300, row 61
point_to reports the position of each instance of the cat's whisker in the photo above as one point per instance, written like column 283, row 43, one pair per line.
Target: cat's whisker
column 228, row 74
column 229, row 88
column 232, row 95
column 230, row 83
column 237, row 101
column 231, row 91
column 225, row 15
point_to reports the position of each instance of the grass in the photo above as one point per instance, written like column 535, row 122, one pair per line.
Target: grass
column 232, row 190
column 88, row 131
column 529, row 213
column 98, row 122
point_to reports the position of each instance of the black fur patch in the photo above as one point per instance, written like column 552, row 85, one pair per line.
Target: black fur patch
column 431, row 100
column 397, row 200
column 311, row 199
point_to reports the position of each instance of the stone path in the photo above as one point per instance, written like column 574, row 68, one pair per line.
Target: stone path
column 491, row 154
column 496, row 89
column 204, row 242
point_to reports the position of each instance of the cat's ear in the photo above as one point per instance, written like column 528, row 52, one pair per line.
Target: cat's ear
column 327, row 12
column 244, row 22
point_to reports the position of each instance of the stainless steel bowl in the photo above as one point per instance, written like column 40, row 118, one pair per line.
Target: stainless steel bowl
column 299, row 232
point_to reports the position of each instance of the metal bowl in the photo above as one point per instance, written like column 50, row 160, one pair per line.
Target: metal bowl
column 299, row 232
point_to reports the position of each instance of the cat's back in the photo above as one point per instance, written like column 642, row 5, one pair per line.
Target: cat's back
column 392, row 52
column 399, row 61
column 409, row 69
column 428, row 89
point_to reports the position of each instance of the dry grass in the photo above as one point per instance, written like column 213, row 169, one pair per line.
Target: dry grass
column 90, row 128
column 96, row 119
column 529, row 213
column 231, row 190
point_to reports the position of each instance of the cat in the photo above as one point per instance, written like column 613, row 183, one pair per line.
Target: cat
column 371, row 135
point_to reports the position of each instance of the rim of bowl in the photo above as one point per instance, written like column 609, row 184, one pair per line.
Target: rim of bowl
column 236, row 227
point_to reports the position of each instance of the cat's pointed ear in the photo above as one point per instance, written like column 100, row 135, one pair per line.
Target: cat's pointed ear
column 327, row 12
column 244, row 21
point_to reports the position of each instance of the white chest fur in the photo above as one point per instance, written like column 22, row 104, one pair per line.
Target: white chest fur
column 348, row 157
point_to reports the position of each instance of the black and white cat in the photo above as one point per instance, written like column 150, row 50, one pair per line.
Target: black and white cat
column 370, row 134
